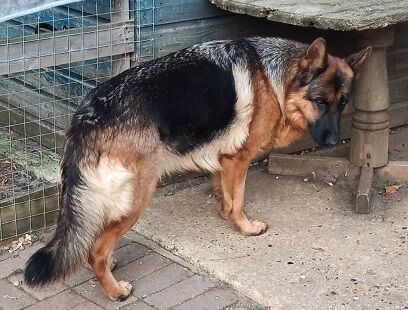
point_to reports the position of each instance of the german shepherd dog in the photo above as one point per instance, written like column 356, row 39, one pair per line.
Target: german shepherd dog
column 213, row 107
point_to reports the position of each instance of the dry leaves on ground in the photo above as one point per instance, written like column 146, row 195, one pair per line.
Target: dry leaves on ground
column 19, row 244
column 391, row 189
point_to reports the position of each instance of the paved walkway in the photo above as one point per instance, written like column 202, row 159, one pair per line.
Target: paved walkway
column 160, row 281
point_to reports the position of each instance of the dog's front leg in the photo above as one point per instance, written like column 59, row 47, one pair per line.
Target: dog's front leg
column 229, row 185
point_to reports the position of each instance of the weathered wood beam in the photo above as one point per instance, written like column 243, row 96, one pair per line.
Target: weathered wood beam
column 339, row 15
column 29, row 126
column 66, row 46
column 120, row 63
column 316, row 167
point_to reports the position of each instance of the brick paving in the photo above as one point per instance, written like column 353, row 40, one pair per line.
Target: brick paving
column 159, row 283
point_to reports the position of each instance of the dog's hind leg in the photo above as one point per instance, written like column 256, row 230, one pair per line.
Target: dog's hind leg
column 230, row 187
column 100, row 258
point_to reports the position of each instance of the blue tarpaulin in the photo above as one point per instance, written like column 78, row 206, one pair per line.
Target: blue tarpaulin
column 16, row 8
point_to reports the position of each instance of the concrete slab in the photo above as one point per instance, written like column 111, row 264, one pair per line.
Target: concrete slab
column 317, row 254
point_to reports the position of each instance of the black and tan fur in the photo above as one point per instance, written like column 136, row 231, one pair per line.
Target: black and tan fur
column 212, row 107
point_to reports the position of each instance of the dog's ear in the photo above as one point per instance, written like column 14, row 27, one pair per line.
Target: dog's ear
column 356, row 60
column 316, row 55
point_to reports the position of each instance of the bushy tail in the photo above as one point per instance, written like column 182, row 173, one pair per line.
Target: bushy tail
column 77, row 228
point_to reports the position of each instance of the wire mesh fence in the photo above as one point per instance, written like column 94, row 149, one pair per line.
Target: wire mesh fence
column 48, row 62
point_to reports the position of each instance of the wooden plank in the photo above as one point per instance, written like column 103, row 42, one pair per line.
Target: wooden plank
column 343, row 15
column 398, row 114
column 56, row 18
column 85, row 18
column 29, row 126
column 89, row 70
column 120, row 13
column 397, row 56
column 398, row 88
column 401, row 36
column 40, row 104
column 175, row 11
column 165, row 11
column 314, row 167
column 71, row 45
column 93, row 7
column 397, row 65
column 170, row 38
column 47, row 86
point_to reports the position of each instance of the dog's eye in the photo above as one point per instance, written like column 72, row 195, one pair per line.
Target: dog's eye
column 343, row 100
column 321, row 101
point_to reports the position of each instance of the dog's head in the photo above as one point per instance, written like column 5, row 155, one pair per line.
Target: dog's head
column 325, row 83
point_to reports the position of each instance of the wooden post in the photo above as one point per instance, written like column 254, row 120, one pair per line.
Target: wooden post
column 120, row 13
column 365, row 190
column 370, row 125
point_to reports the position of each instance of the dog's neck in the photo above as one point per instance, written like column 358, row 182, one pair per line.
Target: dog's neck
column 279, row 59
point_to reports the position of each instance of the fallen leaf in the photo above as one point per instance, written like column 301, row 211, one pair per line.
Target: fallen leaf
column 391, row 189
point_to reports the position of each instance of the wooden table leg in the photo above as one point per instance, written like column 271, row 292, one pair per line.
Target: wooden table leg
column 370, row 126
column 365, row 190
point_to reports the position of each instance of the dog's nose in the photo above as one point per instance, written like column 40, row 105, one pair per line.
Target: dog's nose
column 332, row 139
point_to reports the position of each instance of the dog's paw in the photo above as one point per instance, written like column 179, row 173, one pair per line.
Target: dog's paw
column 255, row 228
column 123, row 291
